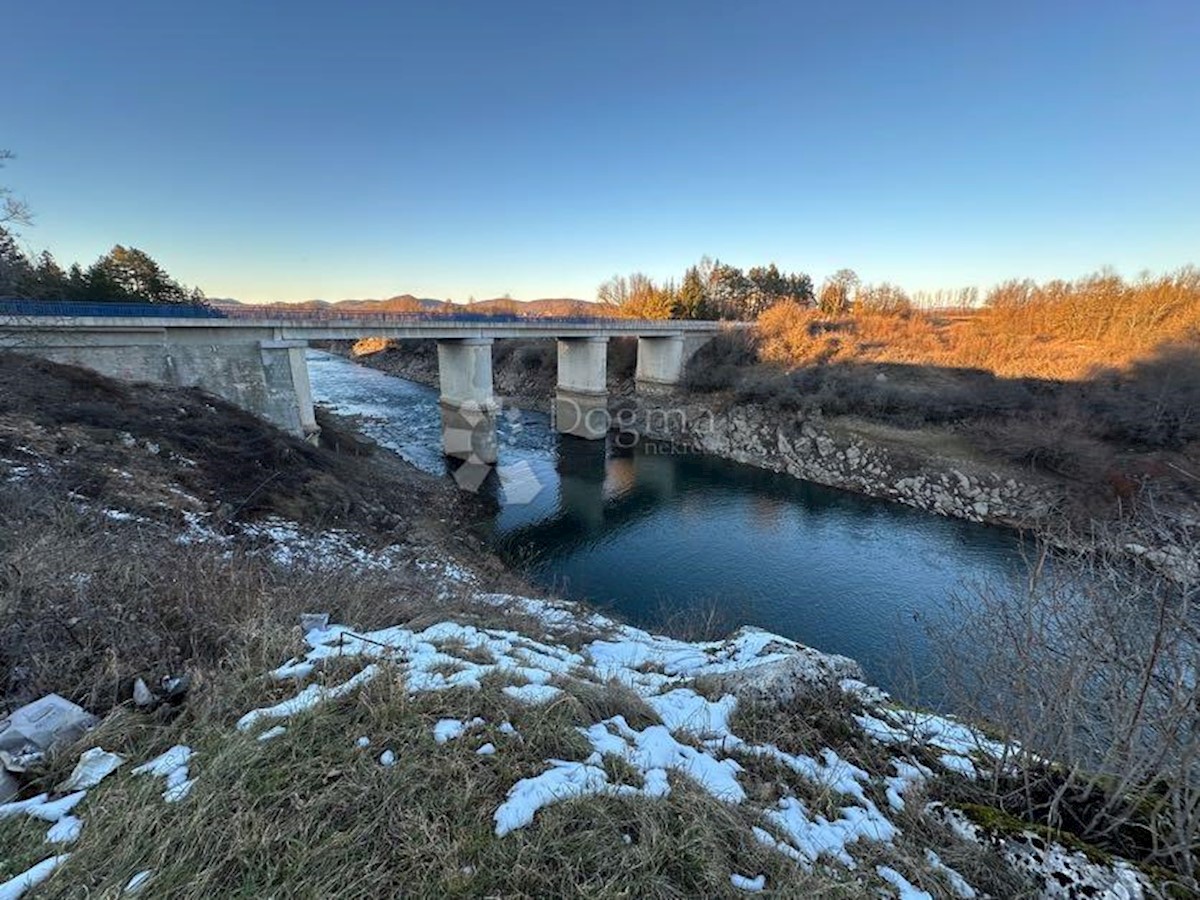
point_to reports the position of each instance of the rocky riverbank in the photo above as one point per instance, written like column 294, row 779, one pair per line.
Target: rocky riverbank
column 839, row 457
column 835, row 454
column 931, row 470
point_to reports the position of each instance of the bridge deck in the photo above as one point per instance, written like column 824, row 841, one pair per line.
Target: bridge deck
column 398, row 327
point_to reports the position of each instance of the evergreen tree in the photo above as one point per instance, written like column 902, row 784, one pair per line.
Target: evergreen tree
column 728, row 288
column 16, row 274
column 800, row 288
column 50, row 281
column 101, row 286
column 130, row 275
column 139, row 276
column 77, row 283
column 691, row 300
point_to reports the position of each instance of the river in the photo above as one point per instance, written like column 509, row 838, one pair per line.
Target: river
column 664, row 537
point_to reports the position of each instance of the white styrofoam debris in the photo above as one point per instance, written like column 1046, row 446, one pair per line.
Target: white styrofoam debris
column 93, row 767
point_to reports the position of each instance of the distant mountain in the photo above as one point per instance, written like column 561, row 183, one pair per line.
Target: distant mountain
column 547, row 306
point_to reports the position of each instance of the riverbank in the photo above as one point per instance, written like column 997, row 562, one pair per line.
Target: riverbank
column 932, row 469
column 460, row 734
column 930, row 472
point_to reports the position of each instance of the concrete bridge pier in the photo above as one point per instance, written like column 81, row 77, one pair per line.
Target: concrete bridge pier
column 581, row 398
column 468, row 405
column 660, row 362
column 289, row 392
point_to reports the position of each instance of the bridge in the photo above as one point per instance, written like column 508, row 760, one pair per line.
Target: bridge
column 255, row 357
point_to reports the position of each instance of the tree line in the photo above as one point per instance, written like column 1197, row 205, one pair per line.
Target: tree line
column 712, row 289
column 122, row 275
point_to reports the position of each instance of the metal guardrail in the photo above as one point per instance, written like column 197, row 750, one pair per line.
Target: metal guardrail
column 69, row 308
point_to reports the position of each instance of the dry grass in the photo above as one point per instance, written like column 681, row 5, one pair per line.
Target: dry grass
column 1095, row 383
column 88, row 604
column 1058, row 330
column 311, row 814
column 140, row 441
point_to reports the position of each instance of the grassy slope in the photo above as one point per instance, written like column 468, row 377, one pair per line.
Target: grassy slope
column 88, row 601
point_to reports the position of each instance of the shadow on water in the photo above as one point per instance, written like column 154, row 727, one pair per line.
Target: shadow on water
column 664, row 538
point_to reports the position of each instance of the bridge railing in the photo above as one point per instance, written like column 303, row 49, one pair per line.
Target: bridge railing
column 321, row 314
column 59, row 308
column 82, row 309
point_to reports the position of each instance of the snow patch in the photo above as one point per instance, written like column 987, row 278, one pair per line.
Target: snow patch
column 16, row 887
column 65, row 831
column 532, row 694
column 749, row 885
column 907, row 890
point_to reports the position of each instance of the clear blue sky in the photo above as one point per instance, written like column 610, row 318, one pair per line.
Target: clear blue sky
column 285, row 150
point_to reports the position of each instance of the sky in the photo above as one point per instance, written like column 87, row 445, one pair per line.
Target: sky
column 291, row 150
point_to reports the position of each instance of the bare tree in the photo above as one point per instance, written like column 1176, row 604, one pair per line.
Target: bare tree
column 12, row 210
column 837, row 292
column 614, row 292
column 1090, row 669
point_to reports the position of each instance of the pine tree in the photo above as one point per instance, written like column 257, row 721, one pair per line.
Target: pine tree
column 16, row 273
column 50, row 281
column 127, row 274
column 76, row 283
column 691, row 301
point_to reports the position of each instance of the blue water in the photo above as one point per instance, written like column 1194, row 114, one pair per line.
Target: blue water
column 664, row 537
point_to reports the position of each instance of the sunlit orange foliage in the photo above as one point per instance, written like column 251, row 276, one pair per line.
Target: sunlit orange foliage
column 1060, row 329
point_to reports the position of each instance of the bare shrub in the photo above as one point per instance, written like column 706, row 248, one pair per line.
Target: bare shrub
column 1056, row 330
column 882, row 299
column 534, row 358
column 1058, row 444
column 718, row 365
column 1156, row 403
column 1090, row 670
column 902, row 395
